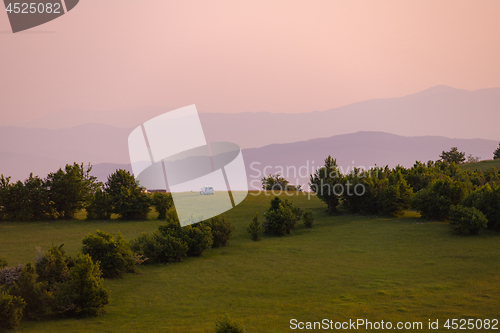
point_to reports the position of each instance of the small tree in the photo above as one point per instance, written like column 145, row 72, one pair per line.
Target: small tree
column 114, row 255
column 11, row 311
column 255, row 228
column 327, row 183
column 277, row 182
column 465, row 220
column 280, row 219
column 83, row 294
column 226, row 325
column 496, row 153
column 453, row 156
column 162, row 203
column 308, row 218
column 221, row 229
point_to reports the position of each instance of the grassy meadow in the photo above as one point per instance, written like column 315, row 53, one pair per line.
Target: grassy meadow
column 482, row 165
column 345, row 267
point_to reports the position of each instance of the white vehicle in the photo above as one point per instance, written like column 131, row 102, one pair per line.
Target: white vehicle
column 207, row 190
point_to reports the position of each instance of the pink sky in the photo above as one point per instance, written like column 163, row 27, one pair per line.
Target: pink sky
column 245, row 56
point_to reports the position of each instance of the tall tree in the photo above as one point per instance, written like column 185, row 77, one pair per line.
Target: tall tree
column 126, row 196
column 328, row 183
column 70, row 189
column 453, row 156
column 496, row 153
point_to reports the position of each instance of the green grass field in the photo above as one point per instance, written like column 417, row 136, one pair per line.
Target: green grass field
column 483, row 165
column 346, row 267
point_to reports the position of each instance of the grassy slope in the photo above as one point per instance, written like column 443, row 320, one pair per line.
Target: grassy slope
column 345, row 267
column 483, row 165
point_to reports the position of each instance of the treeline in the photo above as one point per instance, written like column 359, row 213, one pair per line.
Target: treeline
column 440, row 190
column 63, row 193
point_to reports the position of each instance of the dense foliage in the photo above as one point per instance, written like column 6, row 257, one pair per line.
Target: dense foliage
column 281, row 217
column 221, row 229
column 465, row 220
column 162, row 203
column 113, row 254
column 126, row 197
column 278, row 183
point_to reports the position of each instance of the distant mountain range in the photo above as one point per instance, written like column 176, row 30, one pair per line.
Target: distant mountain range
column 295, row 160
column 438, row 111
column 421, row 125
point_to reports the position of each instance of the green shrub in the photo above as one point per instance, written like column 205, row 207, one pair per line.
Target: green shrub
column 255, row 228
column 83, row 293
column 226, row 325
column 3, row 262
column 11, row 311
column 396, row 196
column 465, row 220
column 487, row 200
column 434, row 202
column 114, row 255
column 32, row 292
column 52, row 266
column 308, row 219
column 99, row 207
column 221, row 230
column 281, row 217
column 198, row 238
column 162, row 203
column 159, row 248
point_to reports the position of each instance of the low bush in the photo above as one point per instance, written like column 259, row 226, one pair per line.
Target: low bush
column 158, row 248
column 255, row 228
column 487, row 200
column 434, row 201
column 83, row 293
column 226, row 325
column 466, row 220
column 221, row 230
column 52, row 266
column 281, row 217
column 11, row 311
column 32, row 292
column 308, row 218
column 114, row 255
column 198, row 238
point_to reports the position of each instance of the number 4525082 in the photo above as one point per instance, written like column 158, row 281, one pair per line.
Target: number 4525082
column 33, row 7
column 471, row 324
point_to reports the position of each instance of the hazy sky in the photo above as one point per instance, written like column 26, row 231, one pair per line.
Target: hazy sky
column 245, row 56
